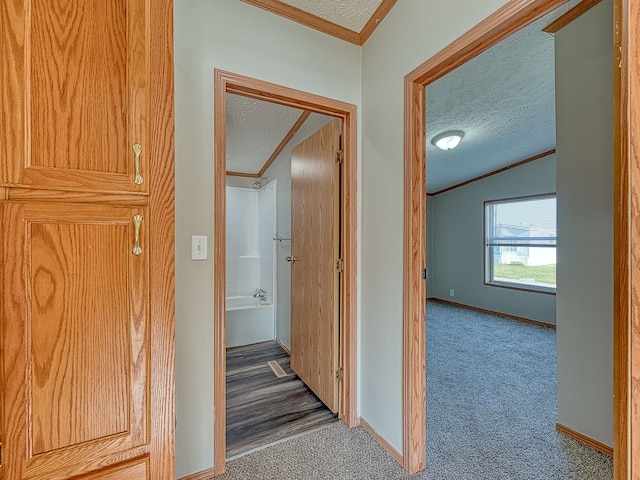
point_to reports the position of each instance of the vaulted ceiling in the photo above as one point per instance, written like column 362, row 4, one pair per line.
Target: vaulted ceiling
column 503, row 100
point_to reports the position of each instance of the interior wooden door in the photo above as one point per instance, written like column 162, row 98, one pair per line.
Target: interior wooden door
column 315, row 273
column 75, row 341
column 76, row 75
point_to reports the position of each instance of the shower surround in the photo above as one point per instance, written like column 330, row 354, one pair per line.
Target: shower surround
column 251, row 225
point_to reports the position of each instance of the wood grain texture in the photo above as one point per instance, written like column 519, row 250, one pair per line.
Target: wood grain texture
column 271, row 92
column 508, row 19
column 262, row 408
column 161, row 242
column 397, row 456
column 138, row 469
column 414, row 348
column 512, row 17
column 287, row 138
column 2, row 289
column 219, row 272
column 14, row 359
column 631, row 69
column 145, row 447
column 383, row 9
column 83, row 350
column 307, row 19
column 231, row 173
column 12, row 89
column 621, row 280
column 495, row 172
column 349, row 280
column 272, row 158
column 206, row 474
column 491, row 312
column 78, row 85
column 315, row 204
column 76, row 91
column 226, row 82
column 570, row 16
column 49, row 195
column 600, row 447
column 63, row 325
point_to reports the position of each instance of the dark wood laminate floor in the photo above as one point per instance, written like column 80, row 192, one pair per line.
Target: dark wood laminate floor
column 262, row 408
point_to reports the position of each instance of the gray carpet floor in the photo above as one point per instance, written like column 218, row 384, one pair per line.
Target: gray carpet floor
column 491, row 402
column 491, row 413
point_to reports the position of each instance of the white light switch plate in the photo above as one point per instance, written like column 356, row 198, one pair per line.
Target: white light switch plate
column 198, row 247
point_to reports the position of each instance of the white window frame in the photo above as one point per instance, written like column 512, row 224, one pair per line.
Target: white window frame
column 491, row 243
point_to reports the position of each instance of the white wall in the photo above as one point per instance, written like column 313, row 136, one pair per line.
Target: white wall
column 266, row 231
column 457, row 255
column 280, row 170
column 584, row 124
column 413, row 31
column 237, row 37
column 243, row 259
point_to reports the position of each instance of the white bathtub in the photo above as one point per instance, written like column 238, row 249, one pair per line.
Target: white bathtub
column 249, row 321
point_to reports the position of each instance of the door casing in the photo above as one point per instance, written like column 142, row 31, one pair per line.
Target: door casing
column 512, row 17
column 227, row 82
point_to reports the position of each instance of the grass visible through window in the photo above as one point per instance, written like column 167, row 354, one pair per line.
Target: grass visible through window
column 538, row 273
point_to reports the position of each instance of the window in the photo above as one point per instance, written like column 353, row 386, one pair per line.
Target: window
column 520, row 243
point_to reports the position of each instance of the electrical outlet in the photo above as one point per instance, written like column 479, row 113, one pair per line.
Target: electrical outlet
column 198, row 247
column 452, row 292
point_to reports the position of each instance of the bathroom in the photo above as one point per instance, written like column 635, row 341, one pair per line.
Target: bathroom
column 264, row 396
column 251, row 266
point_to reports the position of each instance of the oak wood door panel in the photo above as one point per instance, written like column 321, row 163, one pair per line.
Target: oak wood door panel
column 135, row 470
column 76, row 83
column 75, row 338
column 315, row 234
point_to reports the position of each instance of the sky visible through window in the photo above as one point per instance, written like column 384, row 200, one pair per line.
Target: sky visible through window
column 521, row 241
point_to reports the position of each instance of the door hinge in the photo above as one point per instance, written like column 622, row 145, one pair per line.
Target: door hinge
column 424, row 274
column 339, row 156
column 339, row 373
column 339, row 265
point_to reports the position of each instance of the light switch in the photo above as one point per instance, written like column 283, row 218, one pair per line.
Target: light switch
column 198, row 247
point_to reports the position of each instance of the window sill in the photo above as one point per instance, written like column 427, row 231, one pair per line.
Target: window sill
column 522, row 287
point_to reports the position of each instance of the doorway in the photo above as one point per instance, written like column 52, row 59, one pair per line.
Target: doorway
column 281, row 317
column 225, row 83
column 507, row 20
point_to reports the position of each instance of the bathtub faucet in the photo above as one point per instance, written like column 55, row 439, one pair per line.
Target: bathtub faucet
column 261, row 294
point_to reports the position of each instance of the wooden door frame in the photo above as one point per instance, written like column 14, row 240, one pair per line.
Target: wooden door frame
column 227, row 82
column 510, row 18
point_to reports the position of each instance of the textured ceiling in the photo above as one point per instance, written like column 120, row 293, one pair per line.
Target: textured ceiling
column 503, row 100
column 351, row 14
column 254, row 129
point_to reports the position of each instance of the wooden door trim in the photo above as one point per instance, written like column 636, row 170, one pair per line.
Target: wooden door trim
column 507, row 20
column 162, row 242
column 226, row 82
column 626, row 352
column 325, row 26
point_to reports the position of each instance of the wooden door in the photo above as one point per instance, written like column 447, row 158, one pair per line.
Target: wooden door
column 315, row 244
column 80, row 100
column 87, row 223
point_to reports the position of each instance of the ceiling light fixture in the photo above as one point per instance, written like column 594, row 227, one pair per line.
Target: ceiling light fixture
column 448, row 140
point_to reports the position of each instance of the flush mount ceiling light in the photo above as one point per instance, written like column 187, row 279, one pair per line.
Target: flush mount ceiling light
column 448, row 140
